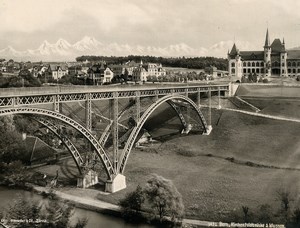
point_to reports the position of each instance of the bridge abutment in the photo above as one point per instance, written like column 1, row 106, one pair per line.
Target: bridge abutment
column 208, row 130
column 117, row 184
column 87, row 180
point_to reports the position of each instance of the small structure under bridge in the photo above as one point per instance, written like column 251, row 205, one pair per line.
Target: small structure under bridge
column 45, row 105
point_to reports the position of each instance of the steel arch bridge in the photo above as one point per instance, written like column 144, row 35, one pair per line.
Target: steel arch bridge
column 36, row 101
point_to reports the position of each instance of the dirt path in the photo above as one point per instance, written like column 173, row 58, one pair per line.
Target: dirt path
column 263, row 115
column 87, row 202
column 97, row 205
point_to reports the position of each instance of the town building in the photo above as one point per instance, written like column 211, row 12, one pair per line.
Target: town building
column 215, row 73
column 56, row 72
column 273, row 60
column 100, row 74
column 140, row 74
column 155, row 69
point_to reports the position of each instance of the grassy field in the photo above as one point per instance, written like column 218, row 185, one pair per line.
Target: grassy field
column 213, row 187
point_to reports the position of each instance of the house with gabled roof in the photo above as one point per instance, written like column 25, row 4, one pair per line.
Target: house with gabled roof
column 56, row 72
column 100, row 74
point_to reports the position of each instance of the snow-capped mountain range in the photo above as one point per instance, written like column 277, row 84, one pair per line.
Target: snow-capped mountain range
column 62, row 50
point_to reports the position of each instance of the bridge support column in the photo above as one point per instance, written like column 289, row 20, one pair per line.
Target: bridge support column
column 138, row 105
column 117, row 184
column 198, row 98
column 88, row 112
column 156, row 95
column 219, row 98
column 56, row 103
column 115, row 131
column 209, row 126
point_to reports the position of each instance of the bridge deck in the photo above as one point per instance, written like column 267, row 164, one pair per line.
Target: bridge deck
column 60, row 89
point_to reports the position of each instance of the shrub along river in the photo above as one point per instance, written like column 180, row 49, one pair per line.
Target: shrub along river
column 95, row 219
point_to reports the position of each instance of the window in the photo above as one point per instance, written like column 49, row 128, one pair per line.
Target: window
column 253, row 70
column 233, row 71
column 289, row 64
column 298, row 70
column 244, row 71
column 294, row 71
column 253, row 64
column 257, row 70
column 282, row 64
column 249, row 64
column 262, row 64
column 257, row 64
column 289, row 71
column 244, row 64
column 232, row 64
column 283, row 71
column 294, row 64
column 283, row 57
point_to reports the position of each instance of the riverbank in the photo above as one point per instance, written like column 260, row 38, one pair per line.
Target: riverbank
column 94, row 219
column 104, row 207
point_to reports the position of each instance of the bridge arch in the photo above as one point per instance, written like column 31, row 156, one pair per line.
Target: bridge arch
column 101, row 154
column 130, row 142
column 66, row 141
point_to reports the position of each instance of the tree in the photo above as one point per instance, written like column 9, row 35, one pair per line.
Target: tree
column 164, row 198
column 57, row 214
column 250, row 77
column 254, row 77
column 29, row 80
column 285, row 198
column 25, row 125
column 132, row 203
column 265, row 214
column 245, row 212
column 244, row 79
column 295, row 218
column 24, row 209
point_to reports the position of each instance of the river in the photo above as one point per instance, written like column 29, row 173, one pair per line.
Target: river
column 94, row 219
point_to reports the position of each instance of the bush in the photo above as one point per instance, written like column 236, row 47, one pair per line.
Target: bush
column 131, row 205
column 265, row 80
column 231, row 159
column 248, row 163
column 187, row 153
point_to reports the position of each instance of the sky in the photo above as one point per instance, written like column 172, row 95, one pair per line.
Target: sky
column 25, row 24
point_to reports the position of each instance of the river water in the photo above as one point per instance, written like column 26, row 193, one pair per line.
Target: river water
column 95, row 219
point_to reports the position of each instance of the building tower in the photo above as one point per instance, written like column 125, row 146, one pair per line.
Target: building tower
column 267, row 55
column 283, row 63
column 235, row 63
